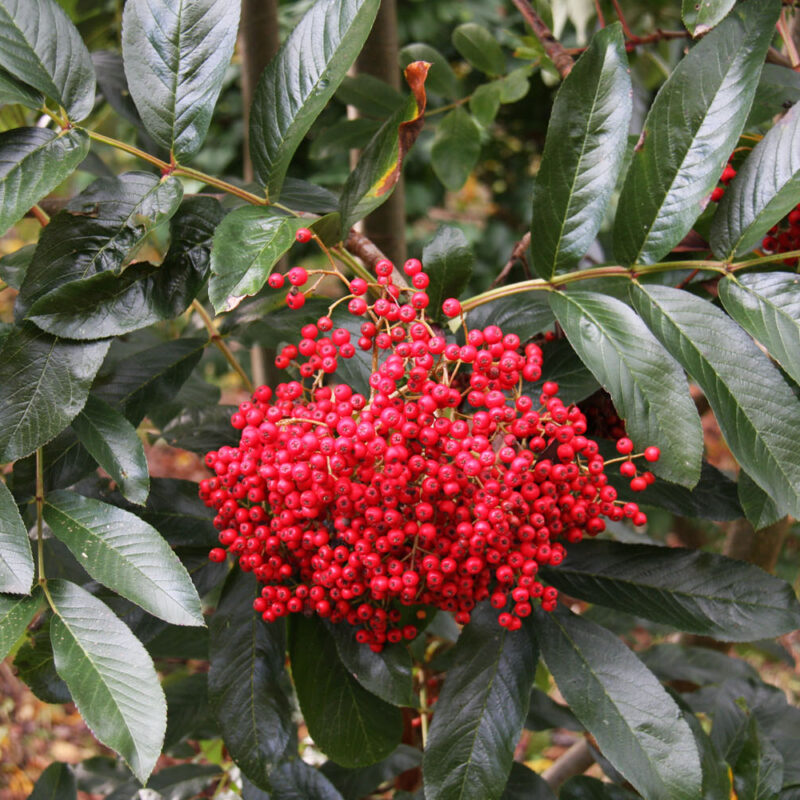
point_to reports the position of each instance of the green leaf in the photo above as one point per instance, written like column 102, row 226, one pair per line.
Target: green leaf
column 456, row 148
column 386, row 674
column 700, row 665
column 716, row 779
column 247, row 245
column 246, row 680
column 179, row 782
column 188, row 712
column 110, row 676
column 100, row 229
column 766, row 188
column 16, row 614
column 448, row 260
column 57, row 782
column 485, row 102
column 343, row 136
column 700, row 16
column 178, row 514
column 544, row 713
column 647, row 384
column 175, row 58
column 778, row 89
column 524, row 314
column 44, row 49
column 637, row 725
column 370, row 95
column 33, row 161
column 113, row 442
column 301, row 79
column 348, row 723
column 353, row 784
column 525, row 784
column 34, row 665
column 583, row 153
column 201, row 430
column 754, row 406
column 44, row 382
column 690, row 131
column 575, row 381
column 13, row 266
column 758, row 506
column 582, row 787
column 126, row 554
column 14, row 91
column 480, row 48
column 480, row 711
column 379, row 167
column 767, row 306
column 441, row 78
column 16, row 562
column 758, row 771
column 693, row 591
column 296, row 780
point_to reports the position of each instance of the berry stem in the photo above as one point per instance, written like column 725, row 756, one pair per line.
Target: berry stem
column 224, row 349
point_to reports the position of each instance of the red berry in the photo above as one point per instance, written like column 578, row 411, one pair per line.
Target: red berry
column 624, row 446
column 303, row 235
column 652, row 454
column 297, row 276
column 275, row 280
column 451, row 307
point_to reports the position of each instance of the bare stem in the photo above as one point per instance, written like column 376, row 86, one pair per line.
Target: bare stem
column 230, row 188
column 218, row 341
column 40, row 516
column 41, row 215
column 128, row 148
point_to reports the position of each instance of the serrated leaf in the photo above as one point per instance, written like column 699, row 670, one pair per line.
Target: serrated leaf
column 480, row 48
column 637, row 725
column 100, row 229
column 441, row 78
column 480, row 711
column 113, row 442
column 299, row 81
column 379, row 167
column 700, row 16
column 247, row 245
column 110, row 676
column 13, row 266
column 758, row 506
column 754, row 406
column 586, row 141
column 16, row 614
column 245, row 680
column 44, row 382
column 778, row 89
column 33, row 161
column 386, row 674
column 126, row 554
column 175, row 58
column 456, row 148
column 758, row 770
column 34, row 666
column 15, row 91
column 700, row 665
column 525, row 314
column 16, row 561
column 767, row 306
column 525, row 784
column 44, row 49
column 691, row 590
column 296, row 780
column 448, row 260
column 57, row 782
column 647, row 384
column 766, row 188
column 690, row 131
column 353, row 784
column 349, row 724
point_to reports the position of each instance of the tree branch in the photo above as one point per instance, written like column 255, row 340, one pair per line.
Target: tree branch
column 556, row 52
column 574, row 761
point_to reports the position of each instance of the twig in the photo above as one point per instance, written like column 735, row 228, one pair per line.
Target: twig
column 575, row 761
column 634, row 41
column 41, row 216
column 556, row 52
column 517, row 254
column 625, row 27
column 788, row 40
column 359, row 245
column 600, row 18
column 224, row 349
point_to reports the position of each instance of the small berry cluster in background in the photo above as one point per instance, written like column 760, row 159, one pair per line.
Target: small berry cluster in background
column 445, row 486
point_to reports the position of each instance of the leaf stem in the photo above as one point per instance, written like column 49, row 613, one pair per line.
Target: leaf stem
column 218, row 341
column 40, row 516
column 128, row 148
column 188, row 172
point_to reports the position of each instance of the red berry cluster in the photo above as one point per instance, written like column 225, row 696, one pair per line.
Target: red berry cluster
column 445, row 486
column 728, row 174
column 784, row 237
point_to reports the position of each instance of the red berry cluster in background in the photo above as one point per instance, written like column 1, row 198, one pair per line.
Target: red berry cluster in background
column 445, row 486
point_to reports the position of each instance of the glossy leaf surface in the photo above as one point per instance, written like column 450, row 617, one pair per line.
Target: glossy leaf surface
column 16, row 562
column 16, row 614
column 700, row 16
column 448, row 260
column 456, row 148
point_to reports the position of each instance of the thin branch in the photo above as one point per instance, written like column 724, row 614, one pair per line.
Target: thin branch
column 574, row 761
column 556, row 52
column 600, row 18
column 224, row 349
column 517, row 254
column 625, row 27
column 41, row 215
column 788, row 40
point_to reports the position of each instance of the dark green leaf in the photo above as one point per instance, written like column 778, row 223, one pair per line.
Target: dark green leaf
column 716, row 779
column 126, row 554
column 480, row 711
column 247, row 245
column 456, row 148
column 698, row 592
column 370, row 95
column 44, row 49
column 353, row 784
column 343, row 136
column 586, row 141
column 100, row 229
column 110, row 676
column 758, row 771
column 767, row 306
column 173, row 641
column 575, row 381
column 297, row 193
column 299, row 81
column 754, row 406
column 296, row 780
column 485, row 102
column 778, row 88
column 44, row 382
column 582, row 787
column 245, row 681
column 113, row 84
column 34, row 666
column 758, row 506
column 700, row 16
column 33, row 161
column 386, row 674
column 15, row 91
column 114, row 444
column 766, row 188
column 691, row 129
column 348, row 723
column 179, row 782
column 57, row 782
column 13, row 266
column 188, row 712
column 448, row 260
column 647, row 384
column 480, row 48
column 175, row 58
column 441, row 78
column 637, row 725
column 700, row 665
column 545, row 713
column 179, row 515
column 201, row 430
column 16, row 614
column 525, row 784
column 524, row 314
column 16, row 562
